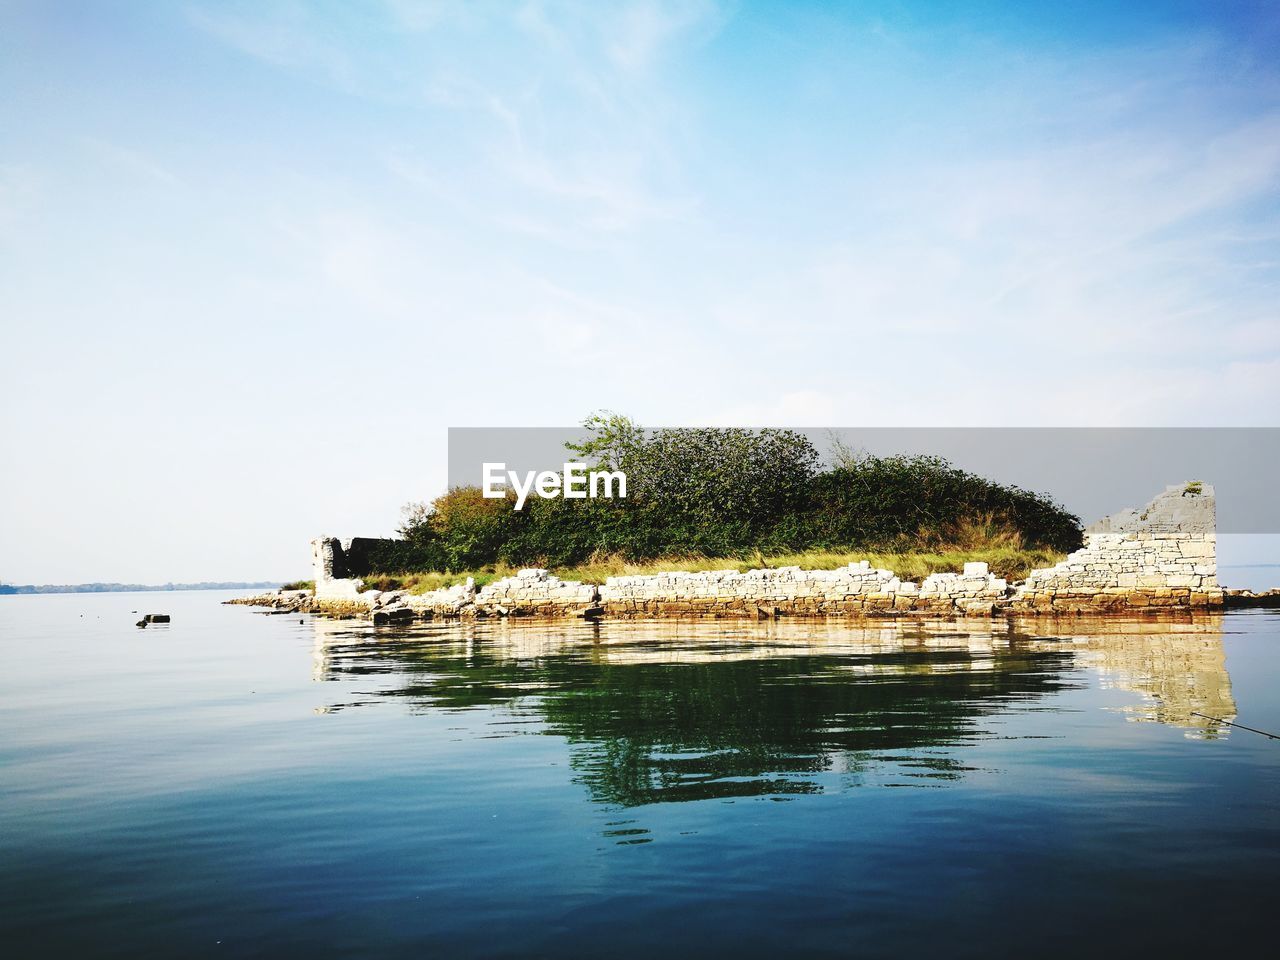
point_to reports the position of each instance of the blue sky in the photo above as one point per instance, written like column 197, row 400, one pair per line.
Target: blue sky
column 256, row 258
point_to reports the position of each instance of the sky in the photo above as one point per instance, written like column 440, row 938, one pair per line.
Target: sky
column 256, row 258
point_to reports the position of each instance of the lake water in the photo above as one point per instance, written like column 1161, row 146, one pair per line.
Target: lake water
column 241, row 784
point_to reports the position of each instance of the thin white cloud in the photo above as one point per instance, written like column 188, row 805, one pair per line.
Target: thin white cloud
column 134, row 161
column 284, row 35
column 578, row 118
column 20, row 191
column 640, row 31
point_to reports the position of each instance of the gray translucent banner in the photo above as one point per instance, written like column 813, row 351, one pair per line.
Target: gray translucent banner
column 1093, row 472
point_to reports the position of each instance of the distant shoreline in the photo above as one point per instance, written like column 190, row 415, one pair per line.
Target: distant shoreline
column 16, row 589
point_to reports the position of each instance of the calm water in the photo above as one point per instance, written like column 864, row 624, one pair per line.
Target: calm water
column 239, row 784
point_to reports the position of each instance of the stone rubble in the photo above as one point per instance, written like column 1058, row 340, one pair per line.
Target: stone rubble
column 790, row 591
column 535, row 593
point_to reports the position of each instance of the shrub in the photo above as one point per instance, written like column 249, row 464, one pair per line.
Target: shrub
column 412, row 553
column 885, row 501
column 459, row 530
column 707, row 490
column 729, row 492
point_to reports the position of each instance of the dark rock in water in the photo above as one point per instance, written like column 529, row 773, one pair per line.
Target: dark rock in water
column 157, row 618
column 592, row 613
column 395, row 615
column 1248, row 598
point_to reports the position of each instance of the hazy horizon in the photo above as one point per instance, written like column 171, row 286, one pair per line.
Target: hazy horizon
column 255, row 259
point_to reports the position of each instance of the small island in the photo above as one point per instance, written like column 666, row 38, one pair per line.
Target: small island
column 751, row 523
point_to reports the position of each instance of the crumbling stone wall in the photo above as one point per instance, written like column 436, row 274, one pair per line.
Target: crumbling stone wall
column 530, row 593
column 790, row 591
column 329, row 571
column 535, row 593
column 337, row 565
column 1164, row 555
column 857, row 589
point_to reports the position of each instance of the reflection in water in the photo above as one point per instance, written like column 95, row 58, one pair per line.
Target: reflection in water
column 673, row 711
column 1177, row 667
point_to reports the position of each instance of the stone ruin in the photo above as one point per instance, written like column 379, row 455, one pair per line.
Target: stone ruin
column 1161, row 557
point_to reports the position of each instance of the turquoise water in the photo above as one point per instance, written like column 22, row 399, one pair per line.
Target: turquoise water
column 241, row 784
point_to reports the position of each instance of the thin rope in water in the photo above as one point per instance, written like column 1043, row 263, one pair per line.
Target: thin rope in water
column 1230, row 724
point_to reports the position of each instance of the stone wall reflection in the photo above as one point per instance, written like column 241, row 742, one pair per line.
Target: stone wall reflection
column 1177, row 666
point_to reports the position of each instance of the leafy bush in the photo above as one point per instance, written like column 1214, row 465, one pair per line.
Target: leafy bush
column 701, row 490
column 717, row 490
column 886, row 501
column 729, row 492
column 459, row 530
column 412, row 553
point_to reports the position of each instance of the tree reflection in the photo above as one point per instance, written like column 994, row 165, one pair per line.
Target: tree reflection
column 672, row 712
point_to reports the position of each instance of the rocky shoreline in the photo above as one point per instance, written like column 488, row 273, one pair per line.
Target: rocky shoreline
column 397, row 607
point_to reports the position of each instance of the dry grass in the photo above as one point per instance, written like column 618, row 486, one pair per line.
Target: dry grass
column 1008, row 562
column 425, row 582
column 1006, row 559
